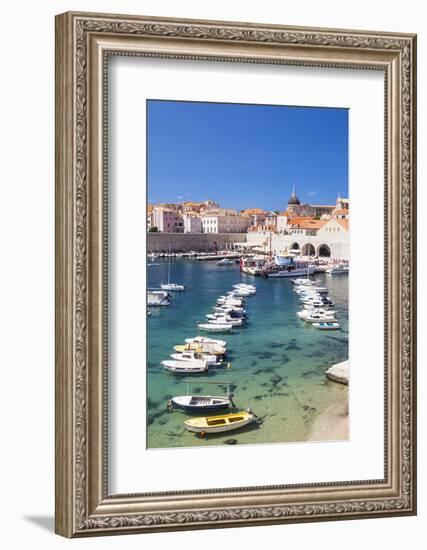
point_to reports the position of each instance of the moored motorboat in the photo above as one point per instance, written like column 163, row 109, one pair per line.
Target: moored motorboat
column 225, row 261
column 210, row 349
column 208, row 327
column 206, row 340
column 327, row 326
column 192, row 355
column 316, row 318
column 158, row 298
column 227, row 320
column 219, row 423
column 311, row 311
column 186, row 367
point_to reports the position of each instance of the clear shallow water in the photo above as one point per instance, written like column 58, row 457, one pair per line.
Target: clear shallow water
column 278, row 361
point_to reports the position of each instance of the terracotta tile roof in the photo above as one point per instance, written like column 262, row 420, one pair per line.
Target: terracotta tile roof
column 311, row 224
column 298, row 219
column 344, row 223
column 342, row 211
column 253, row 211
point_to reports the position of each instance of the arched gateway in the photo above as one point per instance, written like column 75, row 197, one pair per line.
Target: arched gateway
column 324, row 251
column 308, row 250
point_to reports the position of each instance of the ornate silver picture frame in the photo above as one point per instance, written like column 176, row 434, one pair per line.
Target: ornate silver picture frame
column 84, row 42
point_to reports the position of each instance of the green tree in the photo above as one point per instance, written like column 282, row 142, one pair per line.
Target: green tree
column 153, row 229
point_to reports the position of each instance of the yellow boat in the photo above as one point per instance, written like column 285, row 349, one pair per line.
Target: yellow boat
column 211, row 349
column 221, row 423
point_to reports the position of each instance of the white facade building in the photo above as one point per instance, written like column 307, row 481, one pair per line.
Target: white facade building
column 282, row 222
column 192, row 224
column 225, row 223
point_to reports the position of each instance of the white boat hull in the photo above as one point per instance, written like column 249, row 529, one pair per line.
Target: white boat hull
column 291, row 273
column 185, row 367
column 210, row 359
column 206, row 340
column 208, row 327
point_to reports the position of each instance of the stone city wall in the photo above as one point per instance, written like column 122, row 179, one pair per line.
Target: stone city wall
column 199, row 242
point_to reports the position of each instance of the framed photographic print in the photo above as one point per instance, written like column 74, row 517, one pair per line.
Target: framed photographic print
column 235, row 274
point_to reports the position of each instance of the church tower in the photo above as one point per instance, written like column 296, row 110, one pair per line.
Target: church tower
column 293, row 203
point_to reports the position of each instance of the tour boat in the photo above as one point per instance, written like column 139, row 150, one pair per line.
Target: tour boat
column 209, row 349
column 290, row 272
column 206, row 340
column 200, row 403
column 327, row 326
column 186, row 367
column 193, row 355
column 208, row 327
column 158, row 298
column 252, row 265
column 221, row 423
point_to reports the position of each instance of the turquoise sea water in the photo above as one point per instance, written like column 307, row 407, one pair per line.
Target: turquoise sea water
column 278, row 361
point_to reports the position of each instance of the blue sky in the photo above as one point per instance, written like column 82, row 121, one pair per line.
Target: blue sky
column 246, row 156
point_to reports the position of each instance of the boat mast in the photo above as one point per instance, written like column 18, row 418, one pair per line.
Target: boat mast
column 169, row 265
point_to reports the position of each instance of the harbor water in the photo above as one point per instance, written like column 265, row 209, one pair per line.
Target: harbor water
column 278, row 361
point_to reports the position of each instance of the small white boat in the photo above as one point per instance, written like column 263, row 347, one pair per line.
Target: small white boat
column 314, row 318
column 338, row 270
column 233, row 314
column 226, row 309
column 173, row 287
column 225, row 261
column 209, row 327
column 227, row 301
column 186, row 367
column 245, row 289
column 304, row 282
column 327, row 326
column 192, row 355
column 226, row 320
column 206, row 340
column 207, row 348
column 158, row 298
column 312, row 311
column 245, row 285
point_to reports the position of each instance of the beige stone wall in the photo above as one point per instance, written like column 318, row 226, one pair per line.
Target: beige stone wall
column 185, row 242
